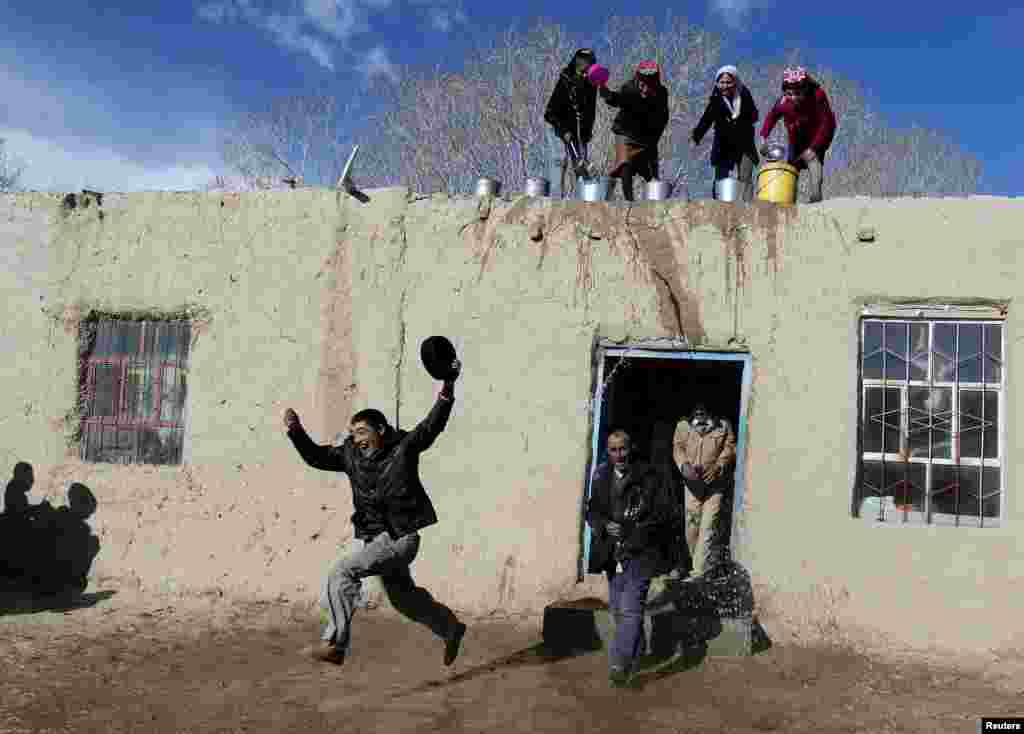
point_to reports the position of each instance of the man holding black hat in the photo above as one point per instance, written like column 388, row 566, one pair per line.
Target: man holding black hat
column 391, row 507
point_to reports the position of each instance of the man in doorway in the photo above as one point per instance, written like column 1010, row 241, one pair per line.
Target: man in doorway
column 704, row 449
column 391, row 507
column 630, row 514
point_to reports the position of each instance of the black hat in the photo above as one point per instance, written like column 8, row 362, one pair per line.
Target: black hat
column 437, row 355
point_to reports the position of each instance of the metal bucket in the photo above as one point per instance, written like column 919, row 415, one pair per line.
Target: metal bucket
column 538, row 187
column 728, row 189
column 487, row 187
column 593, row 189
column 658, row 190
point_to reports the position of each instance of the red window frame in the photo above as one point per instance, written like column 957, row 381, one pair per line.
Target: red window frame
column 154, row 366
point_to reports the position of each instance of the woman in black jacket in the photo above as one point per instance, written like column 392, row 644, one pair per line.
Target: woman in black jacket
column 570, row 113
column 643, row 117
column 732, row 111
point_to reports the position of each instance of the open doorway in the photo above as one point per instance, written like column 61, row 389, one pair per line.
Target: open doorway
column 647, row 390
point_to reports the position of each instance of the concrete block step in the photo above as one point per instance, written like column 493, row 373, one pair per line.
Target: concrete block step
column 588, row 624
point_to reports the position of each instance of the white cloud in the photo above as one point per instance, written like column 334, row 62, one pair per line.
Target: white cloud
column 287, row 30
column 73, row 166
column 316, row 24
column 737, row 13
column 443, row 19
column 378, row 63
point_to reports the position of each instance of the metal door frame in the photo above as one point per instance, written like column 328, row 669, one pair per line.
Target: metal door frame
column 641, row 351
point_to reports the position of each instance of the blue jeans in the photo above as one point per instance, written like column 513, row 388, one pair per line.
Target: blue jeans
column 627, row 598
column 389, row 559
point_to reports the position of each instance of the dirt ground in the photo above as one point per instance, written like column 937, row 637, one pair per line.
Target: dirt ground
column 130, row 662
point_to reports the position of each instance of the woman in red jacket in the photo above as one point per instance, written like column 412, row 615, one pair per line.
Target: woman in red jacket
column 810, row 124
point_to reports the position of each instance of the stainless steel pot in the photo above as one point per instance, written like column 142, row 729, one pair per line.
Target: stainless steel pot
column 658, row 190
column 487, row 187
column 774, row 152
column 538, row 187
column 727, row 189
column 593, row 189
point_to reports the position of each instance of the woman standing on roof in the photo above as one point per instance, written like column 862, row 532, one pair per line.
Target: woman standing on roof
column 810, row 124
column 732, row 111
column 643, row 117
column 571, row 112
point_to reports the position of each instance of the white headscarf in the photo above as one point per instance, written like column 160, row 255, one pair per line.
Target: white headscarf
column 734, row 103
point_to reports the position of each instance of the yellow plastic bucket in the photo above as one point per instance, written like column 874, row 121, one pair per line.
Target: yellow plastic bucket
column 776, row 182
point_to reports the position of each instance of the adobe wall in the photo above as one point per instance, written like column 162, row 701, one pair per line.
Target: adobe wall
column 313, row 300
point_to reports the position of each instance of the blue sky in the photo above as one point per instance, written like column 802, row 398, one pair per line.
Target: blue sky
column 109, row 96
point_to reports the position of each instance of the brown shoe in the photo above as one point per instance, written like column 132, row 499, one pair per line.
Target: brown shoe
column 452, row 644
column 325, row 652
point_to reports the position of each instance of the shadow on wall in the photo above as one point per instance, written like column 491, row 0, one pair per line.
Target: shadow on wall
column 45, row 551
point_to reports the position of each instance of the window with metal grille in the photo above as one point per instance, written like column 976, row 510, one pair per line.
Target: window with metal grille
column 932, row 413
column 135, row 390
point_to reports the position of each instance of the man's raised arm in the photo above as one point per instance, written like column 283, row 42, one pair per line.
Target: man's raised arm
column 426, row 432
column 326, row 457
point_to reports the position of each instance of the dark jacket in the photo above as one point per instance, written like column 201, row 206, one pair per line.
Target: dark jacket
column 645, row 511
column 386, row 490
column 733, row 138
column 573, row 100
column 810, row 125
column 642, row 119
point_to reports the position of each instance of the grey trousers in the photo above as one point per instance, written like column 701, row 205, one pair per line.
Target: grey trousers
column 816, row 172
column 389, row 559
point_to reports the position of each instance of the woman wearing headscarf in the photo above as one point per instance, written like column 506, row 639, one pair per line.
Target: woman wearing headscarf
column 810, row 124
column 642, row 118
column 732, row 111
column 570, row 113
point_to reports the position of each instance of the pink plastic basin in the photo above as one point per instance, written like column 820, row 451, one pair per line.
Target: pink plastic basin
column 598, row 75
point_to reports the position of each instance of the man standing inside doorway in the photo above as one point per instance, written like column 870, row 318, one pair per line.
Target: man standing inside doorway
column 630, row 514
column 391, row 507
column 704, row 449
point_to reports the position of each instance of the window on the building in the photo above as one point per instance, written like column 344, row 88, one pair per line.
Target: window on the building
column 135, row 387
column 932, row 412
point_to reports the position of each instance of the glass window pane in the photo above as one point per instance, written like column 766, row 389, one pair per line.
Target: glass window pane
column 919, row 352
column 969, row 353
column 977, row 427
column 929, row 421
column 882, row 408
column 103, row 345
column 184, row 341
column 105, row 395
column 173, row 395
column 870, row 490
column 872, row 350
column 172, row 443
column 993, row 353
column 905, row 483
column 943, row 351
column 991, row 491
column 169, row 336
column 944, row 487
column 139, row 391
column 151, row 334
column 991, row 430
column 151, row 447
column 896, row 351
column 970, row 491
column 128, row 337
